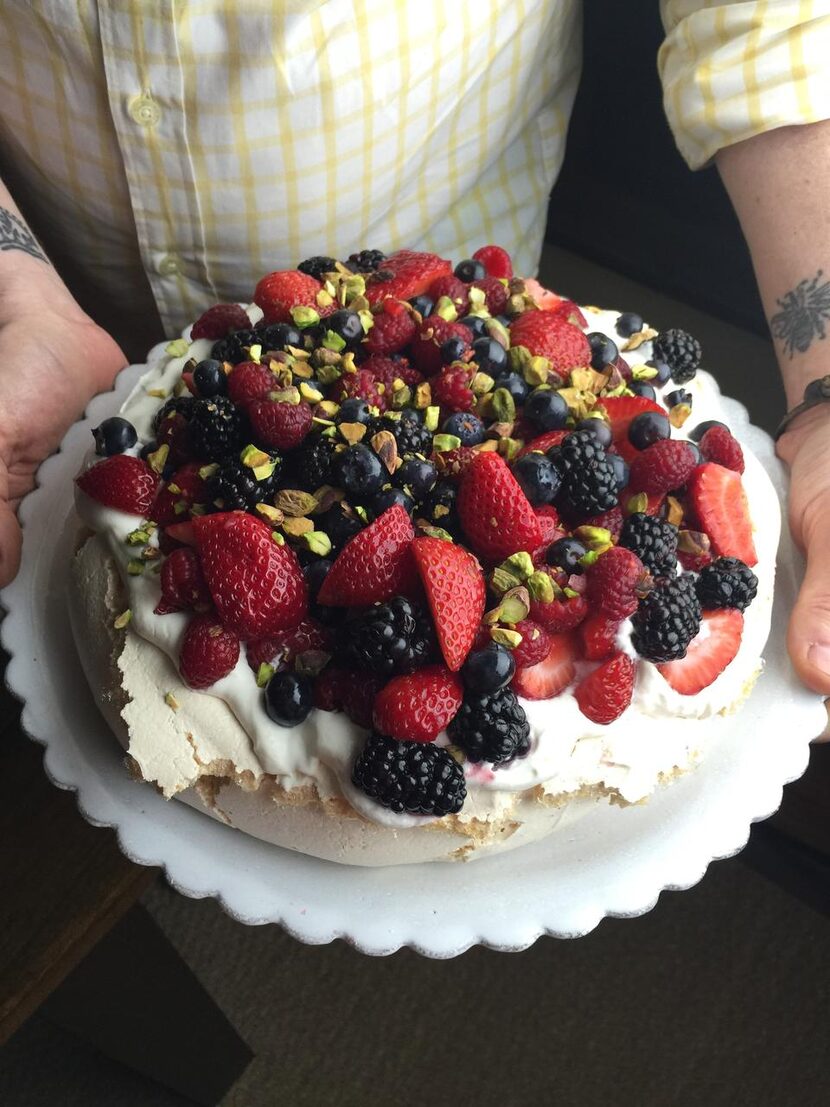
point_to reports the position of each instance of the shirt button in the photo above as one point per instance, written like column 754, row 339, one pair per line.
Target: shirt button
column 170, row 265
column 144, row 110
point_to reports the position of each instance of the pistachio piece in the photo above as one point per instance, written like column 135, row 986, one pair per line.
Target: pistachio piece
column 264, row 674
column 158, row 458
column 443, row 442
column 509, row 638
column 297, row 527
column 121, row 620
column 294, row 502
column 318, row 542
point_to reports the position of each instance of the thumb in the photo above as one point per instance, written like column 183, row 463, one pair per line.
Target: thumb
column 809, row 634
column 10, row 541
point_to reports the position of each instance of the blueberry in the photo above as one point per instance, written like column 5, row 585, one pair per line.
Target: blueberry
column 346, row 324
column 663, row 371
column 423, row 304
column 114, row 436
column 599, row 429
column 289, row 697
column 277, row 336
column 566, row 554
column 359, row 471
column 488, row 669
column 698, row 432
column 210, row 379
column 466, row 426
column 419, row 476
column 620, row 467
column 629, row 323
column 503, row 319
column 339, row 526
column 693, row 446
column 476, row 325
column 644, row 389
column 315, row 572
column 516, row 385
column 538, row 477
column 452, row 350
column 412, row 415
column 679, row 396
column 490, row 356
column 547, row 409
column 390, row 497
column 353, row 410
column 648, row 428
column 603, row 350
column 470, row 270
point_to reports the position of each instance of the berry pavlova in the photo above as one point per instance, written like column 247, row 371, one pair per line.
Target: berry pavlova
column 409, row 562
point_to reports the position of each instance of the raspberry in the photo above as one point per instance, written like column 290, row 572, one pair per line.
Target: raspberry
column 599, row 636
column 184, row 489
column 360, row 385
column 663, row 467
column 457, row 291
column 495, row 260
column 432, row 334
column 209, row 652
column 611, row 520
column 277, row 293
column 183, row 583
column 218, row 321
column 451, row 389
column 280, row 426
column 534, row 646
column 387, row 370
column 250, row 381
column 720, row 446
column 559, row 616
column 287, row 645
column 613, row 581
column 390, row 333
column 495, row 293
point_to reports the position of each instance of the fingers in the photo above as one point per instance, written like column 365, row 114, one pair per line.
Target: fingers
column 809, row 634
column 10, row 542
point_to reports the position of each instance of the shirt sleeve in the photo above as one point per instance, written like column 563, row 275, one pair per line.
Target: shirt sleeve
column 734, row 70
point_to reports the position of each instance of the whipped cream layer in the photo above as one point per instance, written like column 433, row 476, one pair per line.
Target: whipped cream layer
column 661, row 733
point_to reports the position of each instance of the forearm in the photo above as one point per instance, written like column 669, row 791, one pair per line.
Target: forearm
column 778, row 184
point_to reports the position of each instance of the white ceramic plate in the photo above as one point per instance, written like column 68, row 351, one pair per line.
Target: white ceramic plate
column 613, row 861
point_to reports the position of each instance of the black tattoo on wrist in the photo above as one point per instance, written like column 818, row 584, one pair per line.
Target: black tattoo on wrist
column 804, row 315
column 15, row 235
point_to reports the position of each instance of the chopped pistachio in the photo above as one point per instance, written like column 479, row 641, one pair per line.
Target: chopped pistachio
column 121, row 620
column 679, row 414
column 135, row 567
column 541, row 587
column 401, row 395
column 294, row 502
column 481, row 384
column 432, row 416
column 423, row 396
column 326, row 496
column 309, row 393
column 637, row 505
column 478, row 301
column 333, row 341
column 318, row 542
column 264, row 674
column 643, row 372
column 515, row 605
column 208, row 471
column 177, row 348
column 305, row 317
column 509, row 638
column 435, row 532
column 252, row 457
column 328, row 374
column 498, row 331
column 361, row 512
column 674, row 514
column 278, row 538
column 593, row 538
column 326, row 410
column 171, row 701
column 352, row 432
column 589, row 558
column 296, row 527
column 180, row 507
column 443, row 442
column 158, row 458
column 446, row 309
column 385, row 446
column 271, row 513
column 694, row 542
column 290, row 395
column 138, row 537
column 503, row 406
column 537, row 371
column 636, row 340
column 507, row 447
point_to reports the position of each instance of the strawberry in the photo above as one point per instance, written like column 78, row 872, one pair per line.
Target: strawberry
column 250, row 381
column 605, row 693
column 121, row 481
column 707, row 656
column 551, row 531
column 391, row 332
column 374, row 565
column 349, row 691
column 454, row 584
column 279, row 292
column 360, row 385
column 494, row 511
column 218, row 321
column 663, row 467
column 570, row 312
column 209, row 651
column 610, row 520
column 559, row 615
column 495, row 260
column 495, row 294
column 613, row 581
column 542, row 297
column 545, row 335
column 431, row 335
column 720, row 504
column 552, row 675
column 181, row 533
column 281, row 426
column 417, row 707
column 183, row 583
column 599, row 636
column 257, row 585
column 173, row 433
column 534, row 646
column 543, row 442
column 387, row 370
column 451, row 389
column 175, row 499
column 449, row 285
column 404, row 274
column 620, row 411
column 718, row 445
column 288, row 644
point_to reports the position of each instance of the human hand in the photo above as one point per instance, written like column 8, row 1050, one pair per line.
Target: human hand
column 53, row 359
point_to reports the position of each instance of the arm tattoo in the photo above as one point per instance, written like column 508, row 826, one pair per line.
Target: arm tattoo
column 804, row 315
column 15, row 235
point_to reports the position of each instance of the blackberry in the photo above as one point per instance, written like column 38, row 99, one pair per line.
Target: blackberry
column 439, row 507
column 652, row 540
column 338, row 524
column 181, row 405
column 317, row 267
column 680, row 351
column 418, row 777
column 366, row 261
column 727, row 582
column 411, row 435
column 491, row 728
column 217, row 428
column 232, row 348
column 235, row 488
column 392, row 637
column 589, row 484
column 667, row 620
column 309, row 464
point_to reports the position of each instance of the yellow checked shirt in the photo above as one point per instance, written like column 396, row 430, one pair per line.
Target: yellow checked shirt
column 197, row 144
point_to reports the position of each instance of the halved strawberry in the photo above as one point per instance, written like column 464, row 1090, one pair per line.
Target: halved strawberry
column 454, row 584
column 184, row 489
column 124, row 482
column 546, row 335
column 375, row 565
column 620, row 411
column 417, row 707
column 405, row 274
column 605, row 693
column 708, row 654
column 543, row 442
column 495, row 513
column 544, row 299
column 551, row 676
column 277, row 293
column 599, row 636
column 720, row 504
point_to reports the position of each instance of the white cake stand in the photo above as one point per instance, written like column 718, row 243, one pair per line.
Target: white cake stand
column 613, row 862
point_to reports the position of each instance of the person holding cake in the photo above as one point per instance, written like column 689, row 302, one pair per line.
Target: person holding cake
column 156, row 197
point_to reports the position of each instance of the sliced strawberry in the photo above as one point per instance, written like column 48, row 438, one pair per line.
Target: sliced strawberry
column 620, row 411
column 546, row 335
column 257, row 585
column 417, row 707
column 375, row 565
column 278, row 293
column 708, row 654
column 599, row 636
column 552, row 675
column 720, row 504
column 181, row 532
column 543, row 442
column 495, row 513
column 454, row 584
column 124, row 482
column 405, row 274
column 544, row 299
column 605, row 693
column 184, row 489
